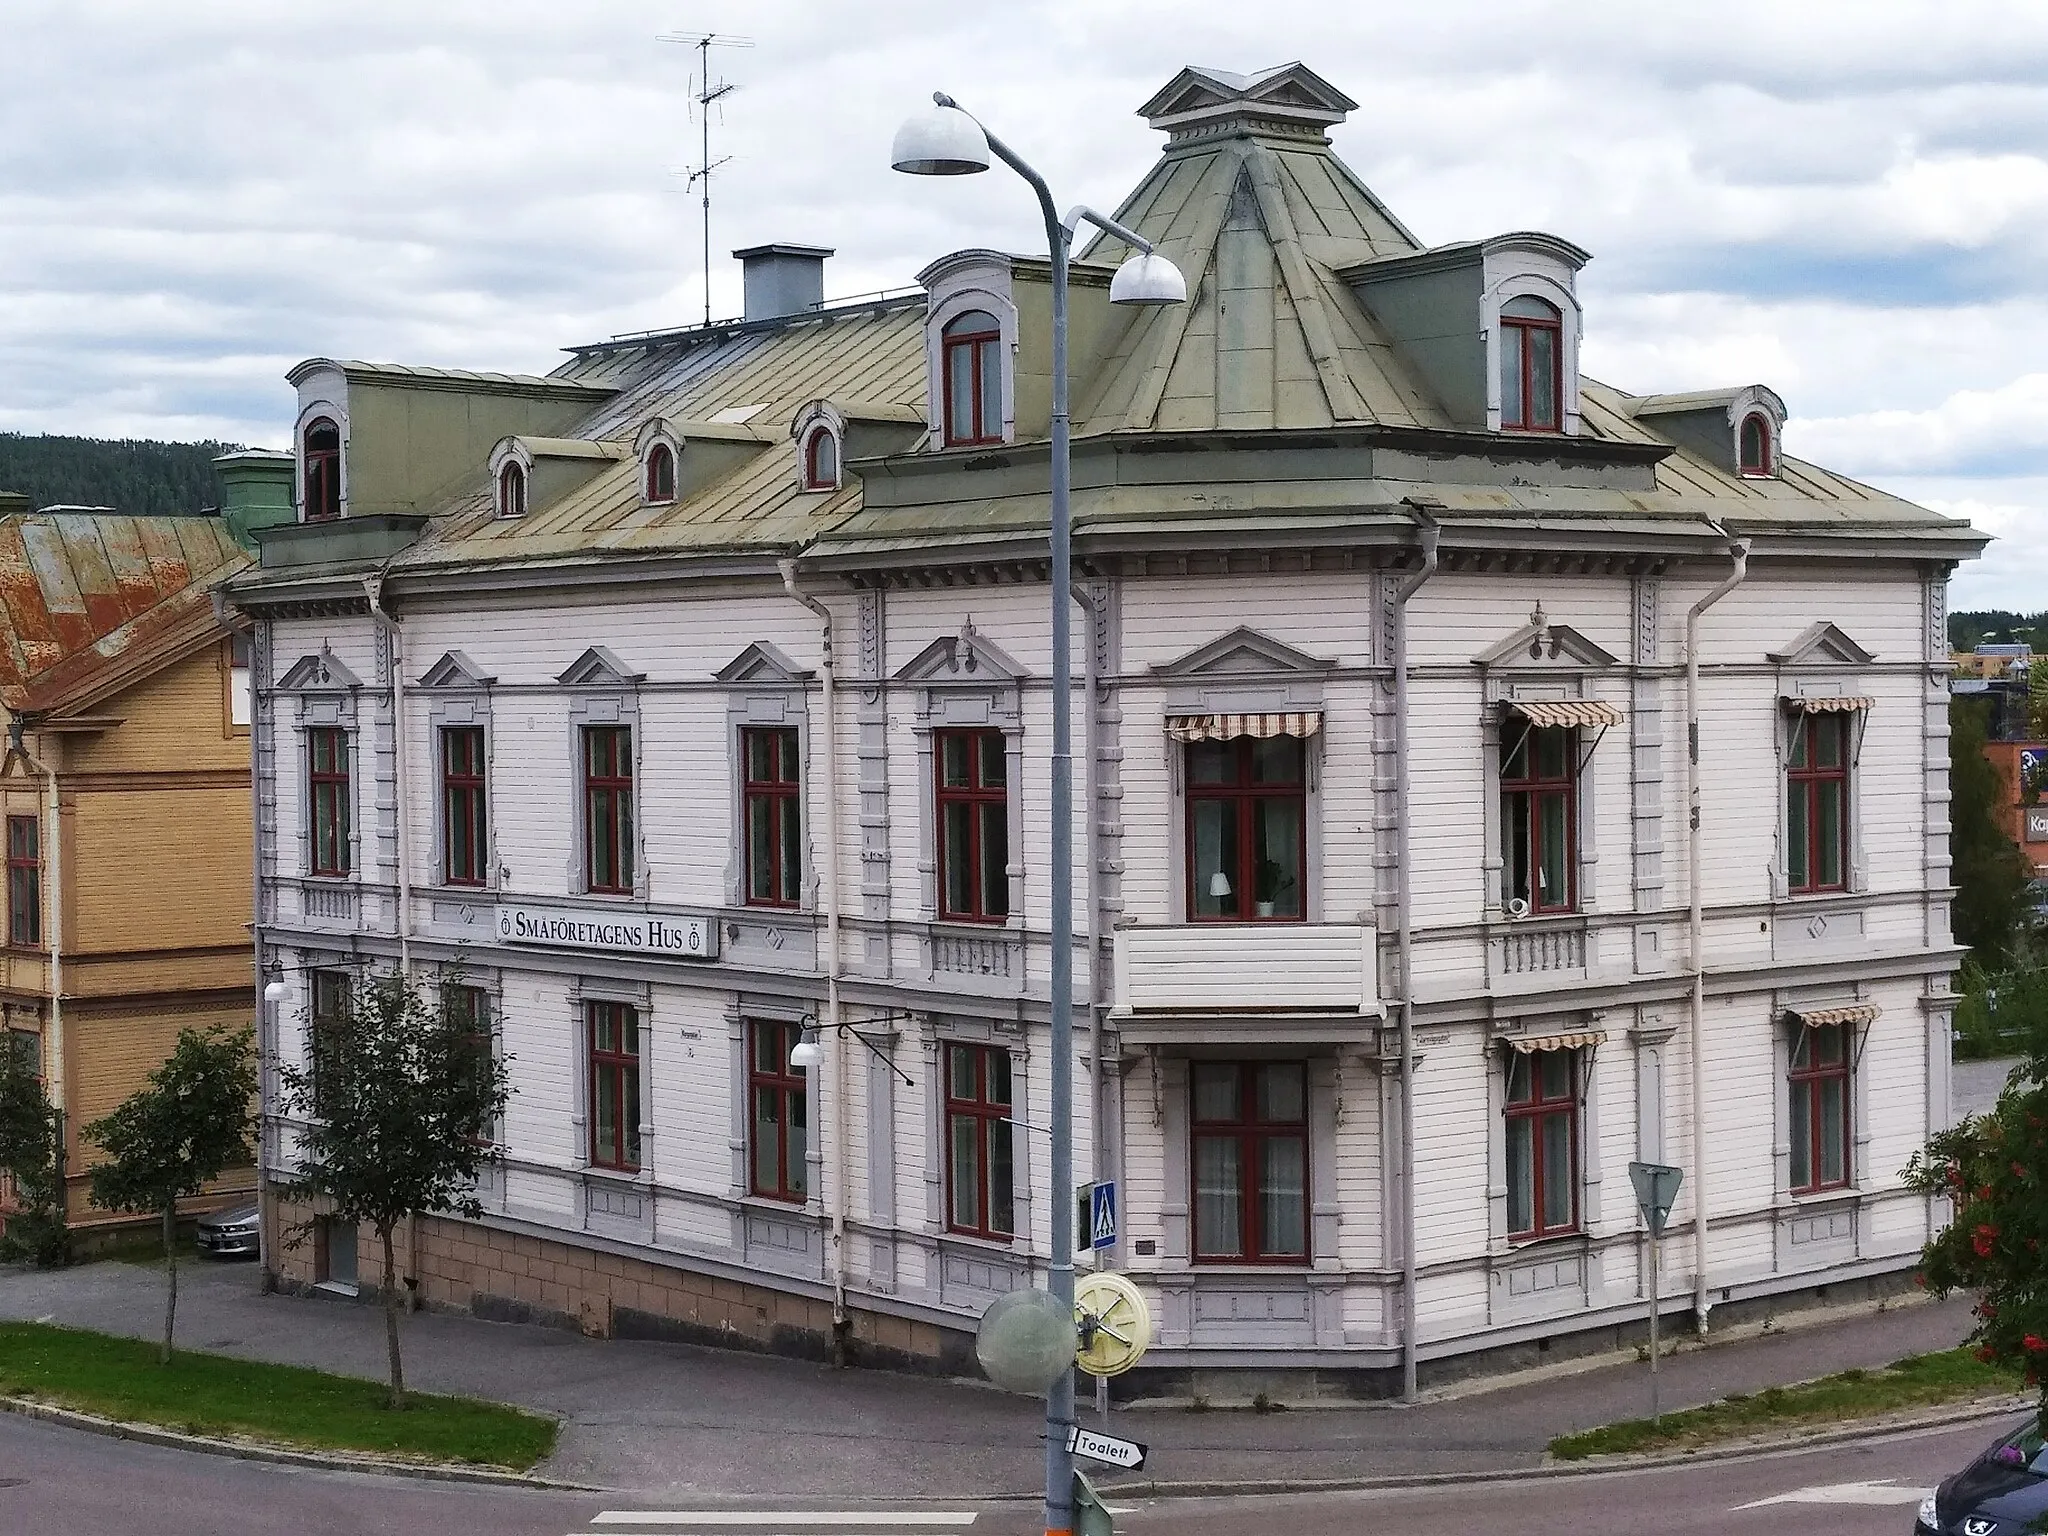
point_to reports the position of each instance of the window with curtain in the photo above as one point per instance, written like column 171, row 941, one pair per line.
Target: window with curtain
column 973, row 825
column 661, row 473
column 512, row 491
column 772, row 797
column 1817, row 804
column 327, row 781
column 463, row 809
column 778, row 1128
column 327, row 1016
column 24, row 882
column 1531, row 366
column 1539, row 815
column 1248, row 1125
column 1756, row 445
column 608, row 810
column 1819, row 1129
column 1247, row 846
column 614, row 1046
column 322, row 470
column 1542, row 1111
column 980, row 1176
column 971, row 355
column 821, row 460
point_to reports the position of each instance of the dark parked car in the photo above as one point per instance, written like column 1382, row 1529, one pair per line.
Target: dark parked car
column 2002, row 1493
column 229, row 1234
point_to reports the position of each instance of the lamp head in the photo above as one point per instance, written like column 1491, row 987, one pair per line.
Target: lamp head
column 274, row 992
column 942, row 142
column 1148, row 278
column 806, row 1053
column 1219, row 885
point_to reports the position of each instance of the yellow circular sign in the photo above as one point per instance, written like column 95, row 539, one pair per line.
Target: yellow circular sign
column 1115, row 1323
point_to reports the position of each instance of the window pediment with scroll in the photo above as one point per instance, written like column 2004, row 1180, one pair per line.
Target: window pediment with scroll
column 1244, row 673
column 762, row 665
column 323, row 673
column 967, row 658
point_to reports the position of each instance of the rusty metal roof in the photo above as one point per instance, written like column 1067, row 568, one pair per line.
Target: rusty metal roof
column 93, row 599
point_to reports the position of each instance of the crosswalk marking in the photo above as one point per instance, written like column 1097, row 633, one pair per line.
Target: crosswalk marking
column 922, row 1519
column 1881, row 1492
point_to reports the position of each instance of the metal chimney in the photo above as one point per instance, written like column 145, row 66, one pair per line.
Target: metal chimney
column 783, row 279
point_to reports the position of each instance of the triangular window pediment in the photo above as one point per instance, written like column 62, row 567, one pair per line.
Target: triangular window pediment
column 312, row 674
column 455, row 670
column 1822, row 644
column 1540, row 643
column 599, row 668
column 1242, row 651
column 761, row 663
column 968, row 657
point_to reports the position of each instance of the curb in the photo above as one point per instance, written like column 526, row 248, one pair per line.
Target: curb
column 327, row 1461
column 1592, row 1466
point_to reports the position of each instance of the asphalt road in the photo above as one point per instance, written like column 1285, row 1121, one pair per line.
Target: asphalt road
column 60, row 1482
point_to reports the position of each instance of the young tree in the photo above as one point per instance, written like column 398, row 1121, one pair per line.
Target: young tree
column 1992, row 1169
column 1989, row 871
column 169, row 1140
column 401, row 1096
column 31, row 1153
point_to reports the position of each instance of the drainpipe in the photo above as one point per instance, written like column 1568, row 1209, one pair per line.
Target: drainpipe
column 373, row 589
column 830, row 1034
column 53, row 1043
column 1696, row 1026
column 1098, row 1148
column 1404, row 913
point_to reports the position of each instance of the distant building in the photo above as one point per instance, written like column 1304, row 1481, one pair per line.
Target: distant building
column 543, row 694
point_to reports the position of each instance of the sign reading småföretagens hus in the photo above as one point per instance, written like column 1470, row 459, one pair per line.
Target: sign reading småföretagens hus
column 645, row 934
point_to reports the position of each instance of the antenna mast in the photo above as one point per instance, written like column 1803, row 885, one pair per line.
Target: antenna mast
column 705, row 95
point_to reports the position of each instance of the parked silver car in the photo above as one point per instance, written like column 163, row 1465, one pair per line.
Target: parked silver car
column 230, row 1234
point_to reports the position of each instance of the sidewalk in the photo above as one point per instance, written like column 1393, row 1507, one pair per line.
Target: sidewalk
column 675, row 1420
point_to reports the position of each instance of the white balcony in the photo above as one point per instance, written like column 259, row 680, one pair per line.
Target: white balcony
column 1326, row 973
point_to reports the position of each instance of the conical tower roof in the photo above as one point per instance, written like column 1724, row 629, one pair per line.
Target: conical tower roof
column 1251, row 204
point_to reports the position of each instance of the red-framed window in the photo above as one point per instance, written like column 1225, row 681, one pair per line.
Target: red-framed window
column 780, row 1112
column 772, row 794
column 608, row 809
column 1756, row 456
column 1539, row 815
column 1542, row 1143
column 327, row 779
column 821, row 460
column 464, row 834
column 325, row 1018
column 661, row 473
column 1531, row 366
column 24, row 882
column 980, row 1173
column 512, row 491
column 971, row 355
column 974, row 825
column 467, row 1010
column 1819, row 1082
column 614, row 1045
column 322, row 470
column 1247, row 837
column 1249, row 1129
column 1817, row 804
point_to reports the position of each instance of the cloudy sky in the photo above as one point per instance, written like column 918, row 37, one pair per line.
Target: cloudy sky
column 1845, row 199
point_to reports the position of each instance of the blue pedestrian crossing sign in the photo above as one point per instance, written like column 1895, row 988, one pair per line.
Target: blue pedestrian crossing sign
column 1102, row 1214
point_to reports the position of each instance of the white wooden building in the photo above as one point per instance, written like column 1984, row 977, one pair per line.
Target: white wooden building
column 696, row 696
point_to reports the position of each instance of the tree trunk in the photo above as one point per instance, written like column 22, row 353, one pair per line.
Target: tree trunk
column 391, row 1316
column 170, row 1280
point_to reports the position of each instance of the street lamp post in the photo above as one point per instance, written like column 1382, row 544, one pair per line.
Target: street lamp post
column 948, row 142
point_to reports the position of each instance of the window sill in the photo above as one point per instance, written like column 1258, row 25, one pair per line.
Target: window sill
column 976, row 1240
column 615, row 1175
column 1202, row 1266
column 775, row 1205
column 1527, row 1242
column 974, row 924
column 1793, row 1199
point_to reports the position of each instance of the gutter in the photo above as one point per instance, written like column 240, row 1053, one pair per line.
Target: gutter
column 1404, row 910
column 831, row 1033
column 1696, row 1026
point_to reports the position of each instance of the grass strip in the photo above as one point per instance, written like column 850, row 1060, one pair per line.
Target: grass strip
column 288, row 1405
column 1918, row 1381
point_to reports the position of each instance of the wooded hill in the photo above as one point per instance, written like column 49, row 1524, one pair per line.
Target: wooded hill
column 1994, row 626
column 130, row 475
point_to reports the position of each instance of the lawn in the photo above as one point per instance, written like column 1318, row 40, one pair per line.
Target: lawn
column 241, row 1399
column 1919, row 1381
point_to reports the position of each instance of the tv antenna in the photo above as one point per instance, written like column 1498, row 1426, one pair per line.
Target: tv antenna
column 705, row 94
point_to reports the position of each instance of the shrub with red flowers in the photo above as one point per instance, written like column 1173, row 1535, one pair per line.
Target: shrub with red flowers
column 1988, row 1171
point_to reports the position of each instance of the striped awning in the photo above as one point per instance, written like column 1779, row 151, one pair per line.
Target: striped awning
column 1827, row 703
column 1821, row 1018
column 1231, row 727
column 1529, row 1045
column 1579, row 712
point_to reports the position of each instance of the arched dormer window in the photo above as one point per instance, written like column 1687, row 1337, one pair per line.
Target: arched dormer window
column 661, row 473
column 1757, row 454
column 322, row 470
column 821, row 460
column 971, row 366
column 1531, row 366
column 512, row 491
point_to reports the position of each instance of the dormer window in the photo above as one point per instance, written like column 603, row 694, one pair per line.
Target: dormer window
column 972, row 369
column 661, row 473
column 1757, row 457
column 322, row 470
column 821, row 460
column 1531, row 366
column 512, row 491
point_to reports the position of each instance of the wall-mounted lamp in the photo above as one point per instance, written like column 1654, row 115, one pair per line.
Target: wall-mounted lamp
column 808, row 1053
column 275, row 992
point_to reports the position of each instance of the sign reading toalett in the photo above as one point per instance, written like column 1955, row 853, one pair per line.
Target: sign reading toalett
column 1108, row 1449
column 640, row 934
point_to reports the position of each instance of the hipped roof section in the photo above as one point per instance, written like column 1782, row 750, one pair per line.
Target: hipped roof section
column 93, row 601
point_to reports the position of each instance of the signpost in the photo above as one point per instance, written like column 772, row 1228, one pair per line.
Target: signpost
column 1656, row 1190
column 1127, row 1454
